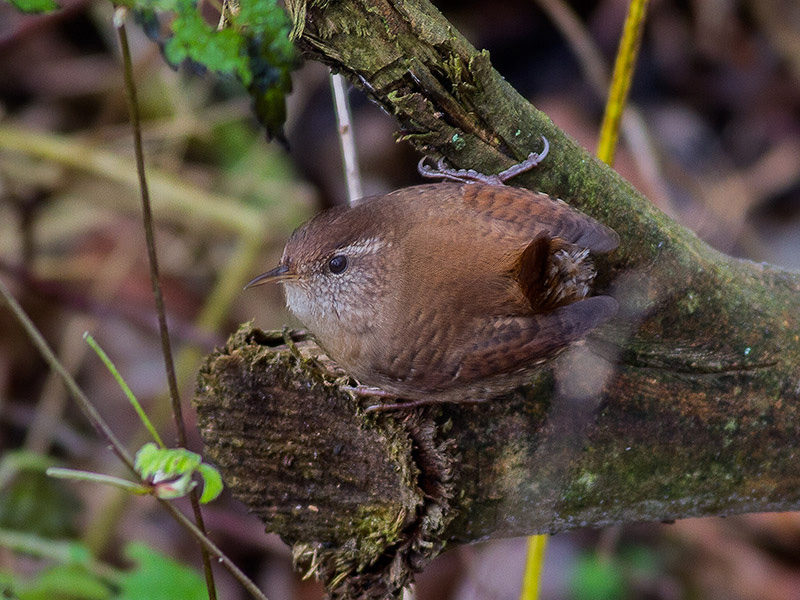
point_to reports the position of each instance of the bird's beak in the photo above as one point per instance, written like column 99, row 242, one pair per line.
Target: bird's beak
column 279, row 273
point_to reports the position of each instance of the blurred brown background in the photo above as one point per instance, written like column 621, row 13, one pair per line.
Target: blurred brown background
column 713, row 140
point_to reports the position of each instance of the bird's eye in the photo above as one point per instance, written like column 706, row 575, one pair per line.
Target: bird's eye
column 337, row 264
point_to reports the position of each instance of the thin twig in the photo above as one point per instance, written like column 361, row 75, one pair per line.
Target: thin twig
column 147, row 214
column 214, row 550
column 132, row 487
column 147, row 217
column 134, row 401
column 347, row 143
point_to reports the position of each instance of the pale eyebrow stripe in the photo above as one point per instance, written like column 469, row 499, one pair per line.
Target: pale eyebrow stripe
column 364, row 247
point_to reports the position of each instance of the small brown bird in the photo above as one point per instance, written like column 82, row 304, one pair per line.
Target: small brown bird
column 448, row 291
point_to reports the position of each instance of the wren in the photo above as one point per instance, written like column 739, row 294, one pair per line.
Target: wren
column 446, row 292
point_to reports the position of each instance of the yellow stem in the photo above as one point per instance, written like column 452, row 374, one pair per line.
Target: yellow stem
column 624, row 68
column 533, row 567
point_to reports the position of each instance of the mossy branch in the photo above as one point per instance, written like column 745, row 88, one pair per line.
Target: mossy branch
column 685, row 405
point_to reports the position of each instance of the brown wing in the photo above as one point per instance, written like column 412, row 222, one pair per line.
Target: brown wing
column 513, row 343
column 519, row 212
column 532, row 213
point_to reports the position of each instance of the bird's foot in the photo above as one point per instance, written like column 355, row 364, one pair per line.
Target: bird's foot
column 365, row 391
column 442, row 171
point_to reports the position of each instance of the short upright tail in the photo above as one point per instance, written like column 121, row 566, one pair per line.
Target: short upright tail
column 553, row 273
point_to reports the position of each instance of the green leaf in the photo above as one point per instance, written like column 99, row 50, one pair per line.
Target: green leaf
column 255, row 48
column 170, row 471
column 212, row 483
column 272, row 60
column 159, row 577
column 196, row 40
column 34, row 6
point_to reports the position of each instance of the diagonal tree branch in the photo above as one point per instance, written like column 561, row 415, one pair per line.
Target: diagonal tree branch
column 685, row 405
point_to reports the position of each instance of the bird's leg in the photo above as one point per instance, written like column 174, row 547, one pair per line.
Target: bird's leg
column 533, row 160
column 409, row 404
column 442, row 171
column 366, row 391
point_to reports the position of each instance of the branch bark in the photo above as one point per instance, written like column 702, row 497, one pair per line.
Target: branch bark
column 685, row 405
